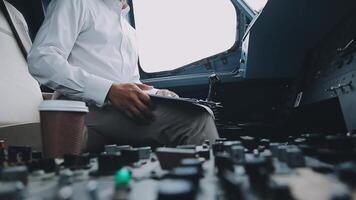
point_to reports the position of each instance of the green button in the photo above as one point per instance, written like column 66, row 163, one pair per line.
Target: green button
column 122, row 177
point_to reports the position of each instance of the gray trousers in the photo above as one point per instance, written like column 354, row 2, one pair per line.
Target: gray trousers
column 173, row 125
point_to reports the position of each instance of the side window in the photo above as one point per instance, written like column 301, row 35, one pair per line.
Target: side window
column 256, row 5
column 176, row 33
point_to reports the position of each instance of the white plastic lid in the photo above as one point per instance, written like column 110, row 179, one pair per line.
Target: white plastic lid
column 63, row 105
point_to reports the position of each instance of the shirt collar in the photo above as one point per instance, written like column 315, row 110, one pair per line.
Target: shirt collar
column 116, row 6
column 126, row 10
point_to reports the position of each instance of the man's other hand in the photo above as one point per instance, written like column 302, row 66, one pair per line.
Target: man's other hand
column 166, row 93
column 132, row 100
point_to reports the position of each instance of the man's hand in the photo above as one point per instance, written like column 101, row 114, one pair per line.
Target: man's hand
column 166, row 93
column 131, row 99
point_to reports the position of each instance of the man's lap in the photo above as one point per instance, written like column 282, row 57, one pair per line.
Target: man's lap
column 172, row 125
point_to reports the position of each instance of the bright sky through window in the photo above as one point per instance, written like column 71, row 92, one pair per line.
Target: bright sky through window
column 174, row 33
column 256, row 5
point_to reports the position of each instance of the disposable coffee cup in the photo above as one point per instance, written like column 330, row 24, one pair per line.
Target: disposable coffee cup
column 62, row 125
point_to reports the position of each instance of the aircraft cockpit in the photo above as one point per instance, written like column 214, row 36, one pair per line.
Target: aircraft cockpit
column 177, row 99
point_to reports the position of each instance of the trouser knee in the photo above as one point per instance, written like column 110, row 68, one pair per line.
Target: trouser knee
column 204, row 129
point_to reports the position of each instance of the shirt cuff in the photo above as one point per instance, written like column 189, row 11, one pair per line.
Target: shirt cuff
column 96, row 89
column 152, row 91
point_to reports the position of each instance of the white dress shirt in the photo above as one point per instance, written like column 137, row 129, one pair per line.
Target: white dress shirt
column 83, row 47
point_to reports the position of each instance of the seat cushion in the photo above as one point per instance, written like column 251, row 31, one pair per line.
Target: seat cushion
column 22, row 135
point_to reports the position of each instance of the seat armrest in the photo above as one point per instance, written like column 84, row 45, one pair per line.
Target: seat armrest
column 22, row 135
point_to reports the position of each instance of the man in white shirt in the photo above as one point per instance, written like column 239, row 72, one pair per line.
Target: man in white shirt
column 86, row 50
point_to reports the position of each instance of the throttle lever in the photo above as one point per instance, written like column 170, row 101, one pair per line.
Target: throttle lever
column 214, row 80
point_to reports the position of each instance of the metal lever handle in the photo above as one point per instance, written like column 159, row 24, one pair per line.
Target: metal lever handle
column 349, row 48
column 214, row 80
column 341, row 87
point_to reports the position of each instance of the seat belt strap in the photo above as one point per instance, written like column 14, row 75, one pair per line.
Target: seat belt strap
column 6, row 13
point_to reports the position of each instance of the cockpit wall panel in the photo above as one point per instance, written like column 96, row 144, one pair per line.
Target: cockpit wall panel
column 279, row 39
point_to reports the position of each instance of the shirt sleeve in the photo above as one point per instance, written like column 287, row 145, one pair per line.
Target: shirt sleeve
column 136, row 76
column 48, row 58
